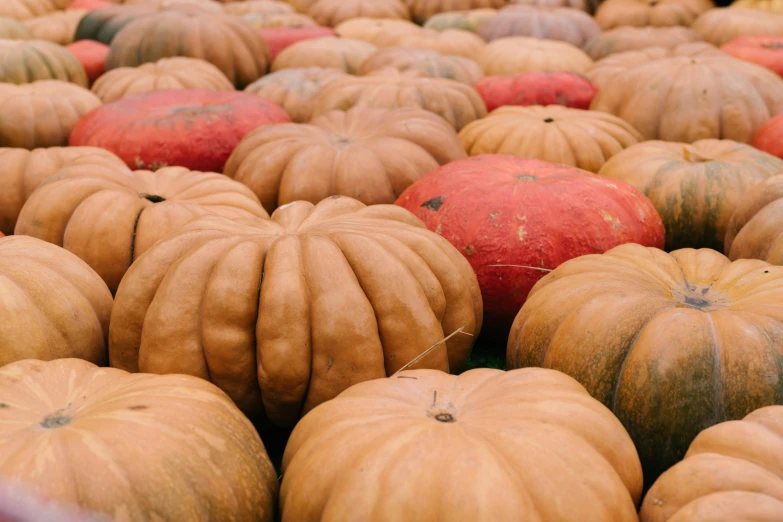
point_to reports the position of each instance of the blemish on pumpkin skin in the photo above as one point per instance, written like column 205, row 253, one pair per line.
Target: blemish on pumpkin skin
column 3, row 405
column 138, row 407
column 521, row 233
column 611, row 219
column 469, row 250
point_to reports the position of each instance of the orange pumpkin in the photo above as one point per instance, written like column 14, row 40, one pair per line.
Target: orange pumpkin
column 720, row 26
column 379, row 32
column 333, row 12
column 755, row 229
column 421, row 10
column 166, row 73
column 259, row 21
column 344, row 54
column 497, row 439
column 257, row 6
column 575, row 137
column 568, row 25
column 11, row 29
column 623, row 39
column 53, row 306
column 584, row 5
column 430, row 64
column 732, row 471
column 131, row 447
column 294, row 89
column 518, row 54
column 641, row 13
column 27, row 61
column 25, row 9
column 323, row 316
column 58, row 27
column 371, row 155
column 126, row 211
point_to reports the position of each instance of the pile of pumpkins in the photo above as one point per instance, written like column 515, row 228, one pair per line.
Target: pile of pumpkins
column 391, row 260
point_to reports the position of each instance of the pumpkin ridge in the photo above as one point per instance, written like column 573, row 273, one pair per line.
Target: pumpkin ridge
column 133, row 234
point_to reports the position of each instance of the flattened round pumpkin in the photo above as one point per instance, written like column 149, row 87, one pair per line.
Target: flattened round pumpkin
column 27, row 61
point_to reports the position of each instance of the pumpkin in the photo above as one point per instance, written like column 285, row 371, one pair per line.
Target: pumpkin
column 18, row 505
column 575, row 137
column 695, row 187
column 519, row 54
column 257, row 6
column 27, row 61
column 565, row 24
column 623, row 39
column 584, row 5
column 755, row 230
column 457, row 103
column 467, row 20
column 379, row 32
column 53, row 305
column 514, row 217
column 294, row 89
column 11, row 29
column 768, row 138
column 92, row 55
column 344, row 54
column 430, row 64
column 125, row 211
column 642, row 13
column 166, row 73
column 692, row 94
column 23, row 170
column 261, row 21
column 25, row 9
column 333, row 12
column 448, row 41
column 57, row 27
column 775, row 6
column 547, row 88
column 496, row 438
column 371, row 155
column 327, row 317
column 42, row 113
column 720, row 26
column 236, row 49
column 672, row 343
column 732, row 471
column 89, row 5
column 104, row 429
column 193, row 128
column 279, row 38
column 422, row 10
column 764, row 50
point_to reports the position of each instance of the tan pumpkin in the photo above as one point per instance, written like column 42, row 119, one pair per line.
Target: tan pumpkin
column 323, row 316
column 421, row 10
column 583, row 5
column 371, row 155
column 776, row 6
column 131, row 448
column 379, row 32
column 268, row 20
column 23, row 170
column 518, row 54
column 457, row 103
column 732, row 471
column 126, row 212
column 333, row 12
column 755, row 229
column 344, row 54
column 25, row 9
column 11, row 29
column 294, row 89
column 720, row 26
column 235, row 48
column 449, row 41
column 694, row 187
column 257, row 6
column 27, row 61
column 622, row 39
column 575, row 137
column 430, row 64
column 692, row 93
column 641, row 13
column 468, row 20
column 166, row 73
column 565, row 24
column 53, row 306
column 497, row 439
column 42, row 113
column 58, row 27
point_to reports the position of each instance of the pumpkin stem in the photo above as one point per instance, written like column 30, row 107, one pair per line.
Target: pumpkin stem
column 693, row 156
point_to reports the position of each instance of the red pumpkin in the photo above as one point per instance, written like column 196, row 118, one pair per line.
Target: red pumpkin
column 191, row 128
column 89, row 5
column 515, row 219
column 769, row 138
column 537, row 88
column 278, row 38
column 764, row 50
column 92, row 55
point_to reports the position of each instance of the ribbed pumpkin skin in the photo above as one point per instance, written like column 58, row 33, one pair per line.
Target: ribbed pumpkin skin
column 165, row 74
column 502, row 210
column 515, row 430
column 672, row 343
column 126, row 212
column 519, row 54
column 564, row 24
column 344, row 54
column 776, row 6
column 695, row 187
column 26, row 9
column 27, row 61
column 421, row 10
column 260, row 21
column 166, row 435
column 468, row 20
column 583, row 139
column 193, row 128
column 23, row 170
column 257, row 6
column 764, row 50
column 326, row 317
column 371, row 155
column 11, row 29
column 236, row 48
column 92, row 55
column 584, row 5
column 279, row 38
column 641, row 13
column 40, row 322
column 57, row 27
column 534, row 88
column 622, row 39
column 720, row 26
column 427, row 63
column 42, row 113
column 333, row 12
column 755, row 230
column 294, row 89
column 732, row 471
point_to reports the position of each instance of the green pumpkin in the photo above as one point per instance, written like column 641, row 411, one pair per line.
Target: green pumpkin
column 466, row 20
